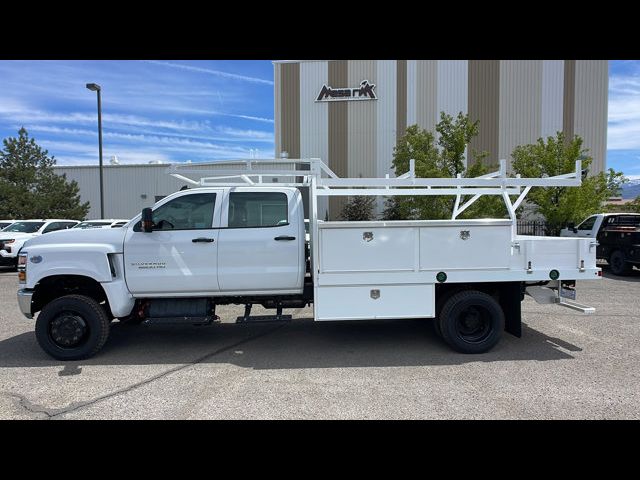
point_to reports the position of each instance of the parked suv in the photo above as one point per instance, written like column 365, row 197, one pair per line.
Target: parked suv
column 13, row 237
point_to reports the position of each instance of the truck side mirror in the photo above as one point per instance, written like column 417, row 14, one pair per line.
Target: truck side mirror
column 572, row 226
column 146, row 222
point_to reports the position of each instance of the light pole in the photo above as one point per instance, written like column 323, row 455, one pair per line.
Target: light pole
column 94, row 87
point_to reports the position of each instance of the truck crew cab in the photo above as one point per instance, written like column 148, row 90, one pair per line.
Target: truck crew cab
column 244, row 243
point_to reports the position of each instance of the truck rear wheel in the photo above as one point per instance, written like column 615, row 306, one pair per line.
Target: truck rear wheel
column 72, row 327
column 471, row 321
column 618, row 264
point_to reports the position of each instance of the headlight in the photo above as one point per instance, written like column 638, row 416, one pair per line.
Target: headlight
column 22, row 267
column 10, row 240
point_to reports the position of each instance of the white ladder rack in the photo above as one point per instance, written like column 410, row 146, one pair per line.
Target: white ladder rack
column 322, row 181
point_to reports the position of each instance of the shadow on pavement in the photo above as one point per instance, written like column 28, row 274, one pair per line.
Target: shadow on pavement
column 633, row 276
column 301, row 343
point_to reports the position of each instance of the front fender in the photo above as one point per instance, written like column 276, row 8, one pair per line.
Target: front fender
column 89, row 260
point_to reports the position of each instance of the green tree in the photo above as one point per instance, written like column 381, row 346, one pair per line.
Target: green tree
column 560, row 205
column 615, row 180
column 635, row 205
column 29, row 188
column 358, row 208
column 442, row 159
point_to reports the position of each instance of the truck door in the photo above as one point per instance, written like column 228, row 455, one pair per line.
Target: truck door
column 262, row 248
column 180, row 254
column 585, row 229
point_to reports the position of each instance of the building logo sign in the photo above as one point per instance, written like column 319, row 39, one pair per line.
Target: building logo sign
column 364, row 92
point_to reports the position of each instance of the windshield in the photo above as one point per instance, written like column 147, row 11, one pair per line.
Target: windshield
column 91, row 224
column 24, row 227
column 4, row 224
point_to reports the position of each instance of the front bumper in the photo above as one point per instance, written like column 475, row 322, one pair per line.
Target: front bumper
column 24, row 301
column 6, row 259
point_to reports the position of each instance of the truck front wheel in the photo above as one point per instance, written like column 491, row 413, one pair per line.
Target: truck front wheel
column 471, row 321
column 72, row 327
column 618, row 264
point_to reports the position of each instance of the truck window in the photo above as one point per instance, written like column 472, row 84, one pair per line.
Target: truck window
column 189, row 212
column 24, row 227
column 257, row 209
column 587, row 224
column 52, row 227
column 624, row 221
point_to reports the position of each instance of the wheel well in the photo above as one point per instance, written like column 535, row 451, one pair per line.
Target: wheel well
column 507, row 294
column 56, row 286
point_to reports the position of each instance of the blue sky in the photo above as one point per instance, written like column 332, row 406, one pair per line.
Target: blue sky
column 152, row 110
column 201, row 110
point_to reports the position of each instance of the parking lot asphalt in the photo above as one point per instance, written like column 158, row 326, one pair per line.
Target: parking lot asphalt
column 565, row 366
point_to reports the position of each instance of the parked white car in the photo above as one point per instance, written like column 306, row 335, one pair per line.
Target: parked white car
column 13, row 237
column 105, row 223
column 5, row 223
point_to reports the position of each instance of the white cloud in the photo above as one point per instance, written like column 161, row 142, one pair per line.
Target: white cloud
column 229, row 134
column 623, row 131
column 209, row 71
column 25, row 115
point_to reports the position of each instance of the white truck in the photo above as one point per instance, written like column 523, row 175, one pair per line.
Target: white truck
column 242, row 242
column 15, row 235
column 618, row 237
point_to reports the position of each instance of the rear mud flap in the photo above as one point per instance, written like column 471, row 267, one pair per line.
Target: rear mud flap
column 510, row 301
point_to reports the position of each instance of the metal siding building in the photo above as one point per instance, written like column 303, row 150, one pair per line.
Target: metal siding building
column 130, row 188
column 516, row 101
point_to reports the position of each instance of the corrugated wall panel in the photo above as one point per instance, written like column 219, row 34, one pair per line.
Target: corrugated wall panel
column 568, row 98
column 386, row 116
column 277, row 108
column 314, row 118
column 362, row 122
column 386, row 89
column 412, row 85
column 591, row 108
column 520, row 104
column 402, row 97
column 452, row 87
column 338, row 131
column 484, row 101
column 290, row 113
column 552, row 97
column 427, row 94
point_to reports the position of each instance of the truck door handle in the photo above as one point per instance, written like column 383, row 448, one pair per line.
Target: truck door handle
column 202, row 240
column 284, row 237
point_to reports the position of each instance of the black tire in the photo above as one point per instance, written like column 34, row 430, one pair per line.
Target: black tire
column 72, row 315
column 436, row 326
column 618, row 264
column 441, row 299
column 471, row 322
